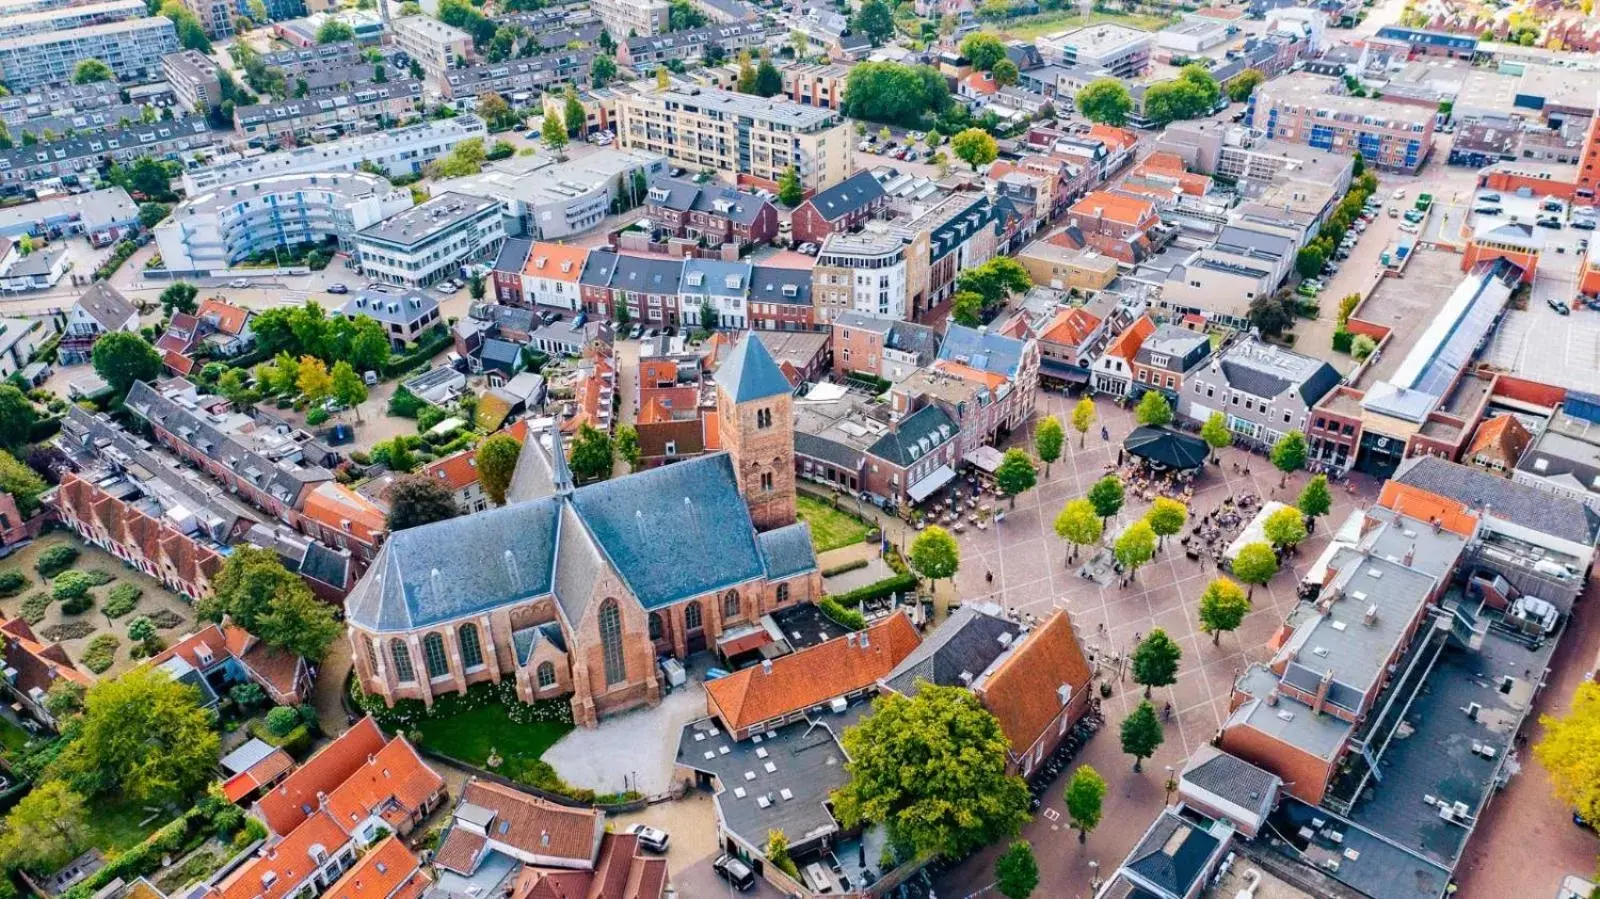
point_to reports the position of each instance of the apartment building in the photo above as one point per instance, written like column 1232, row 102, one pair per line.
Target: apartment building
column 863, row 273
column 752, row 138
column 437, row 47
column 1119, row 50
column 1221, row 280
column 398, row 152
column 881, row 348
column 544, row 199
column 132, row 48
column 404, row 314
column 529, row 77
column 649, row 51
column 371, row 108
column 632, row 17
column 89, row 152
column 19, row 25
column 816, row 85
column 64, row 99
column 429, row 243
column 213, row 230
column 1298, row 108
column 194, row 79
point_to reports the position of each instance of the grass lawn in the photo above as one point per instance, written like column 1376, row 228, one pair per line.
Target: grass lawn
column 12, row 737
column 830, row 527
column 1027, row 28
column 119, row 826
column 472, row 733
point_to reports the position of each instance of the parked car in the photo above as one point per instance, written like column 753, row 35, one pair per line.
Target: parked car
column 1551, row 206
column 1399, row 194
column 370, row 379
column 1488, row 210
column 1488, row 198
column 1409, row 228
column 338, row 289
column 651, row 838
column 1584, row 224
column 239, row 283
column 1550, row 222
column 735, row 872
column 1558, row 306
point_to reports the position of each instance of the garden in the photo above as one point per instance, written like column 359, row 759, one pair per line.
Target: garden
column 106, row 614
column 831, row 527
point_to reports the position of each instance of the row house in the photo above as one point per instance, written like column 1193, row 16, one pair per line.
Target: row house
column 92, row 150
column 711, row 213
column 1073, row 338
column 371, row 108
column 33, row 666
column 225, row 654
column 531, row 76
column 839, row 208
column 893, row 458
column 1167, row 357
column 880, row 348
column 185, row 564
column 1112, row 371
column 1263, row 390
column 1115, row 225
column 648, row 52
column 781, row 299
column 505, row 276
column 551, row 276
column 665, row 292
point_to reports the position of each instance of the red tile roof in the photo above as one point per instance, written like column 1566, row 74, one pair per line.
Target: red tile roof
column 177, row 363
column 622, row 871
column 290, row 802
column 1502, row 437
column 1414, row 502
column 37, row 663
column 982, row 83
column 139, row 535
column 528, row 824
column 396, row 784
column 1023, row 691
column 388, row 871
column 803, row 679
column 457, row 471
column 1127, row 344
column 1125, row 210
column 1070, row 327
column 545, row 260
column 338, row 507
column 658, row 404
column 226, row 317
column 282, row 868
column 272, row 766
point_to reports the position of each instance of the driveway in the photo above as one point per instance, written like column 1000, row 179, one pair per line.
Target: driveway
column 699, row 881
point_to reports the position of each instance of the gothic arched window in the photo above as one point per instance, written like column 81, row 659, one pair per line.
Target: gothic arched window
column 611, row 642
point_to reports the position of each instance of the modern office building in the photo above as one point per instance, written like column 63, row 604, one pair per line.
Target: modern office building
column 433, row 44
column 635, row 17
column 212, row 231
column 863, row 273
column 18, row 25
column 1297, row 108
column 369, row 109
column 754, row 138
column 1122, row 51
column 132, row 48
column 429, row 243
column 547, row 200
column 194, row 79
column 403, row 151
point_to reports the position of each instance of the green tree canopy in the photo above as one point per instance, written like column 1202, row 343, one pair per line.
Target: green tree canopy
column 967, row 308
column 45, row 830
column 1135, row 546
column 1104, row 100
column 122, row 358
column 151, row 214
column 602, row 70
column 89, row 71
column 591, row 454
column 348, row 388
column 1166, row 517
column 1315, row 500
column 769, row 83
column 1255, row 564
column 419, row 500
column 258, row 594
column 895, row 93
column 1085, row 794
column 1153, row 410
column 300, row 623
column 1079, row 524
column 1223, row 606
column 143, row 737
column 935, row 554
column 791, row 192
column 1016, row 871
column 1215, row 432
column 976, row 147
column 1047, row 439
column 17, row 416
column 874, row 19
column 627, row 443
column 1141, row 734
column 1289, row 455
column 334, row 31
column 497, row 460
column 553, row 133
column 1286, row 527
column 932, row 769
column 1015, row 474
column 1106, row 495
column 1006, row 73
column 1570, row 751
column 1155, row 661
column 1083, row 418
column 1244, row 84
column 180, row 297
column 983, row 50
column 22, row 482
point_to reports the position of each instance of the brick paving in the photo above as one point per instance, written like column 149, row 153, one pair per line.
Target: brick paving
column 1028, row 563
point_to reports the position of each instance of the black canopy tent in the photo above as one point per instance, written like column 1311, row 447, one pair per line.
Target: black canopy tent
column 1167, row 449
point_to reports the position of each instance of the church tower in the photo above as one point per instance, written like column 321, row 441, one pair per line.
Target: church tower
column 755, row 417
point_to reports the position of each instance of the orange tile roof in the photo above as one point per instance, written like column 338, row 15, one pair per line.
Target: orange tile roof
column 1070, row 327
column 288, row 804
column 1504, row 435
column 536, row 825
column 1022, row 692
column 546, row 260
column 271, row 767
column 803, row 679
column 658, row 404
column 37, row 663
column 177, row 362
column 1128, row 342
column 338, row 507
column 712, row 428
column 230, row 319
column 380, row 874
column 1121, row 138
column 284, row 867
column 456, row 471
column 982, row 82
column 395, row 780
column 992, row 380
column 1414, row 502
column 1116, row 207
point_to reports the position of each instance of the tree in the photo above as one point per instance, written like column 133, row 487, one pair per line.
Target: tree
column 935, row 554
column 967, row 308
column 1308, row 262
column 800, row 42
column 1244, row 84
column 932, row 769
column 22, row 482
column 347, row 386
column 1285, row 527
column 313, row 380
column 1570, row 751
column 1015, row 474
column 300, row 623
column 627, row 445
column 17, row 416
column 1083, row 417
column 417, row 500
column 602, row 70
column 1135, row 546
column 1155, row 661
column 1085, row 793
column 466, row 158
column 144, row 737
column 573, row 115
column 1104, row 100
column 122, row 358
column 47, row 829
column 1255, row 564
column 1106, row 496
column 995, row 280
column 777, row 852
column 64, row 698
column 1078, row 524
column 891, row 92
column 180, row 297
column 684, row 15
column 874, row 19
column 708, row 317
column 1153, row 411
column 90, row 71
column 983, row 50
column 1166, row 517
column 554, row 133
column 746, row 82
column 768, row 82
column 1270, row 314
column 495, row 111
column 591, row 454
column 1141, row 734
column 1315, row 500
column 1289, row 455
column 1047, row 439
column 258, row 11
column 151, row 214
column 1016, row 872
column 975, row 147
column 791, row 192
column 334, row 31
column 497, row 460
column 476, row 288
column 1215, row 433
column 1006, row 73
column 1223, row 606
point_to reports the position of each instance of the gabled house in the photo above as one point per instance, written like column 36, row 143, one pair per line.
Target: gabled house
column 506, row 273
column 1264, row 390
column 836, row 209
column 33, row 666
column 550, row 276
column 101, row 309
column 225, row 655
column 1167, row 356
column 711, row 213
column 224, row 327
column 1498, row 444
column 1113, row 371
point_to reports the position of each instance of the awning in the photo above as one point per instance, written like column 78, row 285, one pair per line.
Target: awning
column 922, row 489
column 986, row 458
column 1063, row 371
column 1166, row 448
column 742, row 640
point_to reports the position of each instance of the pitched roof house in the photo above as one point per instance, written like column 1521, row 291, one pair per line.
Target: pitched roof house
column 225, row 653
column 836, row 209
column 37, row 667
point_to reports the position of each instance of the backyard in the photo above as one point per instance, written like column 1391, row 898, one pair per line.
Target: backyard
column 1027, row 28
column 93, row 627
column 830, row 528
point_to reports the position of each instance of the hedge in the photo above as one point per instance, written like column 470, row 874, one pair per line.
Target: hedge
column 189, row 828
column 431, row 344
column 899, row 583
column 842, row 616
column 296, row 742
column 12, row 583
column 843, row 567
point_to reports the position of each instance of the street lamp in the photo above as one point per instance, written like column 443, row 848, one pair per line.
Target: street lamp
column 1094, row 874
column 1171, row 784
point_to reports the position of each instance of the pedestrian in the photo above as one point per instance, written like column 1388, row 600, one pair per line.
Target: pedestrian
column 1105, row 433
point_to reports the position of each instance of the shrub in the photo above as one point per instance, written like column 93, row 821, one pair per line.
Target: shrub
column 67, row 630
column 889, row 586
column 405, row 404
column 317, row 416
column 248, row 695
column 124, row 598
column 12, row 582
column 100, row 653
column 851, row 565
column 99, row 578
column 1342, row 340
column 849, row 618
column 165, row 619
column 1362, row 347
column 34, row 607
column 227, row 820
column 295, row 741
column 56, row 559
column 70, row 587
column 282, row 720
column 253, row 831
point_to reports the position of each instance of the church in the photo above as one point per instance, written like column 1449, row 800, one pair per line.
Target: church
column 579, row 590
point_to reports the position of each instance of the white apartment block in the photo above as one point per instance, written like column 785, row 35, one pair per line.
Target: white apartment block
column 737, row 133
column 429, row 243
column 545, row 200
column 72, row 17
column 133, row 49
column 21, row 7
column 864, row 273
column 1120, row 50
column 635, row 18
column 195, row 79
column 212, row 231
column 403, row 151
column 436, row 46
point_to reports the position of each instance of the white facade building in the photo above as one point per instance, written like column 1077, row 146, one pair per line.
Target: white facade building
column 640, row 18
column 71, row 17
column 436, row 46
column 863, row 273
column 429, row 243
column 545, row 200
column 132, row 48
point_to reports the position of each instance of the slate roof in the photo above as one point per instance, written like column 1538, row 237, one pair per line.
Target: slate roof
column 850, row 195
column 815, row 447
column 1172, row 855
column 968, row 641
column 513, row 254
column 787, row 550
column 767, row 283
column 598, row 268
column 685, row 196
column 714, row 278
column 749, row 373
column 1230, row 777
column 983, row 350
column 106, row 305
column 1548, row 513
column 1268, row 371
column 637, row 273
column 917, row 435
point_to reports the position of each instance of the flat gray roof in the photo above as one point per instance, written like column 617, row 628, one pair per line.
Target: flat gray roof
column 419, row 223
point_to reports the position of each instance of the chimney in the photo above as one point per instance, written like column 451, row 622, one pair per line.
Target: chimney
column 766, row 666
column 1322, row 692
column 322, row 799
column 863, row 639
column 1411, row 553
column 1371, row 617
